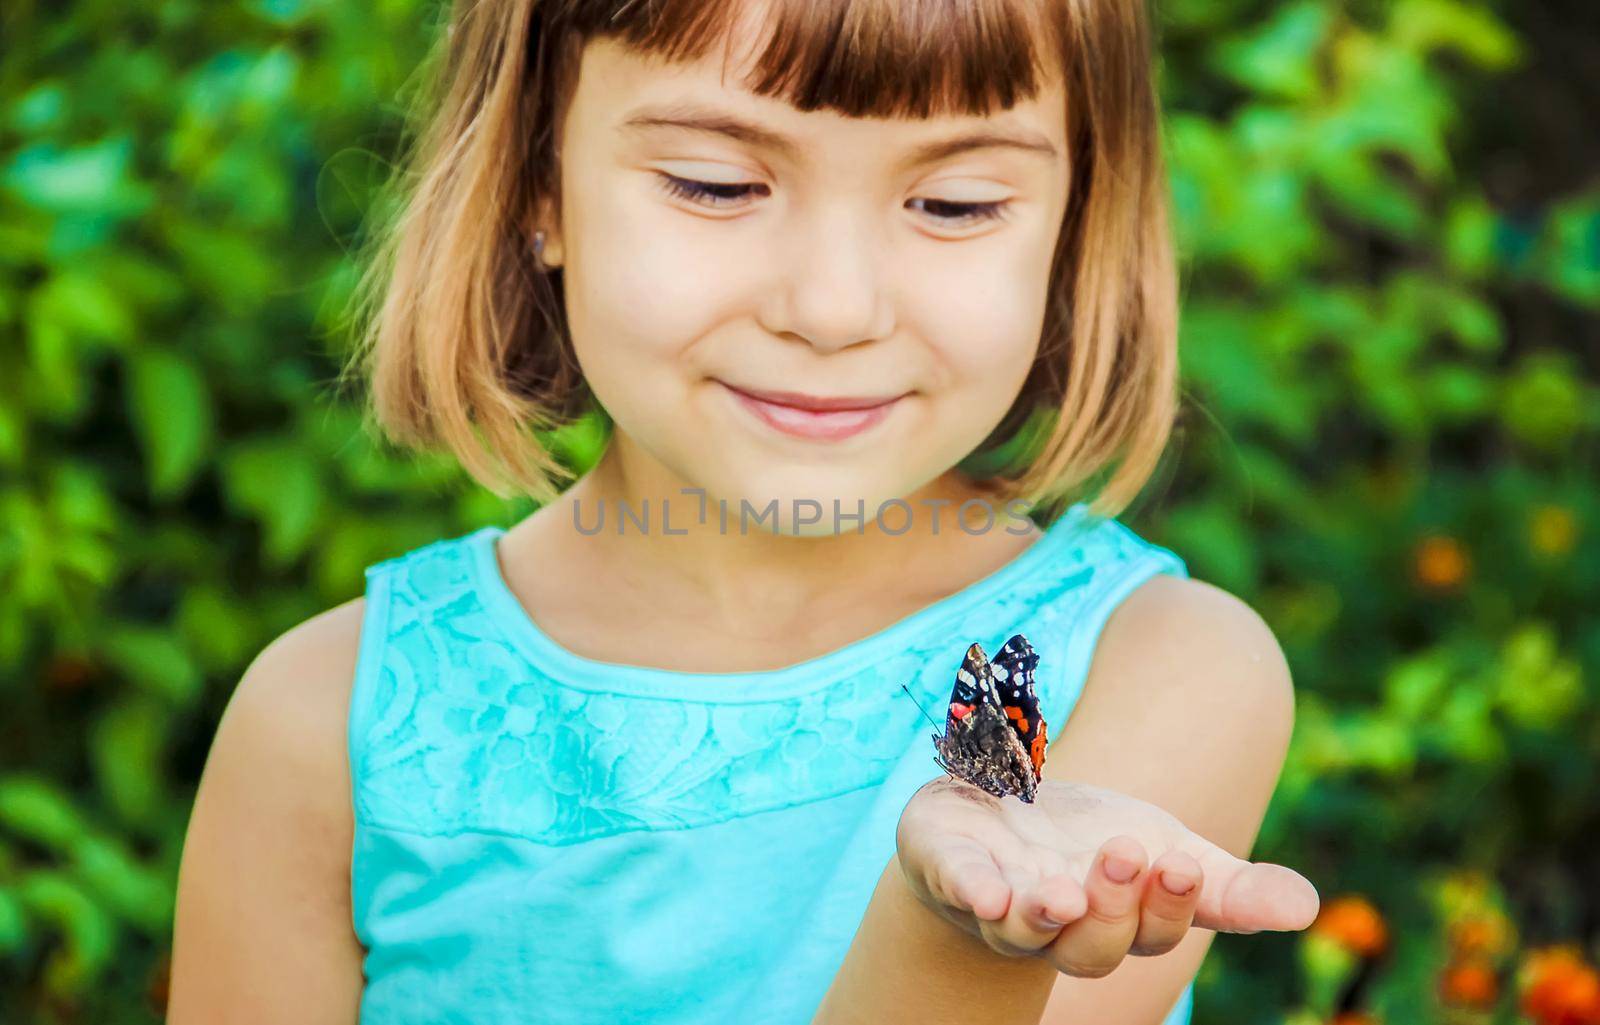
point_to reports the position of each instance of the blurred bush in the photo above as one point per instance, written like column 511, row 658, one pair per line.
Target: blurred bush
column 1390, row 223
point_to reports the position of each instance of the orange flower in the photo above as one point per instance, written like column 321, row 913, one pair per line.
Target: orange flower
column 1559, row 988
column 1353, row 1018
column 1440, row 562
column 1353, row 923
column 1471, row 983
column 1552, row 530
column 1485, row 934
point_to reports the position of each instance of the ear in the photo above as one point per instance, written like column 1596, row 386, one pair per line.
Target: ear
column 554, row 253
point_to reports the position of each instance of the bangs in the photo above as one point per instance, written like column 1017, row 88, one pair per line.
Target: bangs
column 860, row 58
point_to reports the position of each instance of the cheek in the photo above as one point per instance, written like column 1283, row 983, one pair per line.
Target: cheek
column 984, row 320
column 643, row 283
column 981, row 316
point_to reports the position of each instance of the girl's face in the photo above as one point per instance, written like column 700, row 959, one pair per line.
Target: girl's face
column 713, row 240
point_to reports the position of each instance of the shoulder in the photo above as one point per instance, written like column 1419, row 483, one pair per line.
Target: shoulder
column 280, row 747
column 295, row 693
column 1177, row 636
column 1189, row 703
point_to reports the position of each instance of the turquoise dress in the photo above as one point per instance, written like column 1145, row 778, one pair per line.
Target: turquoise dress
column 542, row 837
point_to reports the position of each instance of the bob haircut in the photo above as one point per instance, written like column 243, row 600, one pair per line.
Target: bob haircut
column 462, row 332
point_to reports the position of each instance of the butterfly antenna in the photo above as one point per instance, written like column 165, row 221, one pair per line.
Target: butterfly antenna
column 914, row 701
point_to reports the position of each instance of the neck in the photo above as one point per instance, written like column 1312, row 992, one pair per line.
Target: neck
column 747, row 572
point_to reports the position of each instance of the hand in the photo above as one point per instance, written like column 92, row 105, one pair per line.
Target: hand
column 1032, row 880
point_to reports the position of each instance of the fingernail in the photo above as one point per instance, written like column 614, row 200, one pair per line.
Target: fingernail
column 1176, row 885
column 1120, row 870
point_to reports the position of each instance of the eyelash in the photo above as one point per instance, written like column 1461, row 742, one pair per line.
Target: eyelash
column 698, row 191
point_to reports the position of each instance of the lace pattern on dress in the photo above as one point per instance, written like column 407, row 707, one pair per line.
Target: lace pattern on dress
column 454, row 729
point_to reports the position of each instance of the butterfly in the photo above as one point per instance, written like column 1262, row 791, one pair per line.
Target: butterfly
column 994, row 735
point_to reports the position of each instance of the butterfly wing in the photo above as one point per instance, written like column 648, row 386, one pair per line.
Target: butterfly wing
column 979, row 743
column 974, row 685
column 1012, row 673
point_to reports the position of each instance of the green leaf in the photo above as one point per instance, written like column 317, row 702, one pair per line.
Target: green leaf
column 128, row 743
column 275, row 480
column 132, row 891
column 1457, row 394
column 13, row 921
column 1378, row 742
column 88, row 180
column 82, row 303
column 1544, row 402
column 1574, row 250
column 1278, row 59
column 1414, row 687
column 40, row 110
column 228, row 266
column 170, row 407
column 87, row 930
column 1472, row 31
column 1326, row 965
column 1537, row 685
column 218, row 625
column 154, row 659
column 1213, row 539
column 13, row 435
column 1469, row 235
column 1467, row 727
column 34, row 808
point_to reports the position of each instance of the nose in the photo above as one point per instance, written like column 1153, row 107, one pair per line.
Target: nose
column 832, row 289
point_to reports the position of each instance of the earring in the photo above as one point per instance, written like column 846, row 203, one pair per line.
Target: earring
column 538, row 248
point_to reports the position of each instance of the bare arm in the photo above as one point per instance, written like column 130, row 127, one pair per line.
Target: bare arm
column 1200, row 677
column 262, row 931
column 908, row 964
column 1188, row 706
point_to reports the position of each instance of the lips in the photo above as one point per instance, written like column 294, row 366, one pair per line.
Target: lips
column 817, row 403
column 830, row 418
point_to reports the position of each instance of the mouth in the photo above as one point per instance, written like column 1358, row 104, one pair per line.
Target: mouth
column 823, row 418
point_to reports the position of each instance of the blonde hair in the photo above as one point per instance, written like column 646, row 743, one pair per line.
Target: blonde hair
column 463, row 334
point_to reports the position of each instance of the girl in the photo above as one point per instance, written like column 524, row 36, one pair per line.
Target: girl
column 844, row 278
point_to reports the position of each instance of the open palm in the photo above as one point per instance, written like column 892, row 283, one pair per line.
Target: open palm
column 1041, row 879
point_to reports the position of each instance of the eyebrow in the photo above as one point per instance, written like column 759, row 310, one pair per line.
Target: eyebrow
column 690, row 117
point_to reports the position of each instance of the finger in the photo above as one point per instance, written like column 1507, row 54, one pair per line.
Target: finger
column 1095, row 944
column 1005, row 851
column 966, row 877
column 1058, row 898
column 1010, row 934
column 1244, row 897
column 1170, row 897
column 1054, row 901
column 1044, row 897
column 1026, row 928
column 981, row 889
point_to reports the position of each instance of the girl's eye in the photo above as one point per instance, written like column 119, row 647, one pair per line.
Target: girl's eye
column 964, row 213
column 714, row 194
column 721, row 194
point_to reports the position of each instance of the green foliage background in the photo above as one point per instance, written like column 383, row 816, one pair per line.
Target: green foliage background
column 1390, row 221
